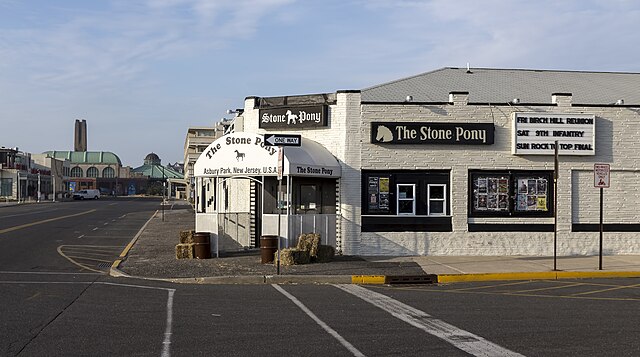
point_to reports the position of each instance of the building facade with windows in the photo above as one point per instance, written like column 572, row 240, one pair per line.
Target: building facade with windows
column 450, row 162
column 195, row 143
column 87, row 168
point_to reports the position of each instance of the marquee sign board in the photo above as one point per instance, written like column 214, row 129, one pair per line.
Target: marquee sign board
column 536, row 134
column 294, row 117
column 432, row 133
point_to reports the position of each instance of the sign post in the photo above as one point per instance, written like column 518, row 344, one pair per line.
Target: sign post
column 556, row 165
column 281, row 140
column 601, row 179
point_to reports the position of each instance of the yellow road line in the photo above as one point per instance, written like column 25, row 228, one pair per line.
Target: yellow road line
column 11, row 229
column 135, row 239
column 563, row 286
column 605, row 290
column 453, row 278
column 493, row 286
column 456, row 291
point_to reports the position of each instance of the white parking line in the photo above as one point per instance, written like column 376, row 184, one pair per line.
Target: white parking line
column 46, row 273
column 459, row 338
column 166, row 344
column 315, row 318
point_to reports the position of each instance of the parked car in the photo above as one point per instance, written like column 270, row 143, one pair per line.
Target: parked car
column 86, row 194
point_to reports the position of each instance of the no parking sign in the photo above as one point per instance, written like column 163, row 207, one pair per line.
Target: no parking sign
column 601, row 175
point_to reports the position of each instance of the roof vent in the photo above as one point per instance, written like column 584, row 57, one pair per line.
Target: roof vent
column 469, row 68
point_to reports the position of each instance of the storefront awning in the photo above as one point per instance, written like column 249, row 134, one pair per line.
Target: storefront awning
column 245, row 154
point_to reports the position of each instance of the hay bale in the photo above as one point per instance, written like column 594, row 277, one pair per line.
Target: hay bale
column 325, row 254
column 291, row 256
column 309, row 243
column 185, row 250
column 187, row 236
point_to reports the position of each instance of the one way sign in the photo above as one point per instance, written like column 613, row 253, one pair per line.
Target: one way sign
column 282, row 139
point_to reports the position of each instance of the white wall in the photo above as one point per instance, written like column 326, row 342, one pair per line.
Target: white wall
column 616, row 143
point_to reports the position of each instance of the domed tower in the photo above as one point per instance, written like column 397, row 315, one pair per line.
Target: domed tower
column 152, row 159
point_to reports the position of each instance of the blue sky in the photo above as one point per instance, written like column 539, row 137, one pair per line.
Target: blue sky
column 142, row 72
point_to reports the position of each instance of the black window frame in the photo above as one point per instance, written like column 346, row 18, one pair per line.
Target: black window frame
column 388, row 219
column 513, row 177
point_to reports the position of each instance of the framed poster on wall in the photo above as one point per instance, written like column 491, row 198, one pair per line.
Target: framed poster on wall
column 510, row 193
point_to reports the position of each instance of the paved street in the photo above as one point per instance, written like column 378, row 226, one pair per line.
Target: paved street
column 56, row 300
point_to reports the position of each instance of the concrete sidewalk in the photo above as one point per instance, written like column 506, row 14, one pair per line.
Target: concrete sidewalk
column 151, row 255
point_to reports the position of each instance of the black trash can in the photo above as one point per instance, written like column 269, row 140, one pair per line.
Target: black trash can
column 202, row 248
column 268, row 247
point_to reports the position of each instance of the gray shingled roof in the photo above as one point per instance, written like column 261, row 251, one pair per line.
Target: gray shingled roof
column 486, row 85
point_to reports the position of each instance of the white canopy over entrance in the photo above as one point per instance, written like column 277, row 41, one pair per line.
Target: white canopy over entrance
column 230, row 178
column 245, row 154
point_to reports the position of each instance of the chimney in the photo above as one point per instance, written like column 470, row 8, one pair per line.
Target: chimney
column 80, row 140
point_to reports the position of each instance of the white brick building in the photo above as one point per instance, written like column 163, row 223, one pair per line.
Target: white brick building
column 461, row 162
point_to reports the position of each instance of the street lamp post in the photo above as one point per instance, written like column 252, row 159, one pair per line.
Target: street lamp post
column 39, row 192
column 115, row 193
column 163, row 186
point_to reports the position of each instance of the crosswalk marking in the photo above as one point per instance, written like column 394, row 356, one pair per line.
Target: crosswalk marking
column 464, row 340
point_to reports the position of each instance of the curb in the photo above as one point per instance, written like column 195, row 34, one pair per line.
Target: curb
column 379, row 279
column 114, row 271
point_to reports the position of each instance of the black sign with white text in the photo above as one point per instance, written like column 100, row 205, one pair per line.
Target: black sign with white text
column 432, row 133
column 294, row 117
column 282, row 140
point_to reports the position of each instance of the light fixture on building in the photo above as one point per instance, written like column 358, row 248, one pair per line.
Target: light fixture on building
column 235, row 111
column 620, row 102
column 408, row 98
column 515, row 101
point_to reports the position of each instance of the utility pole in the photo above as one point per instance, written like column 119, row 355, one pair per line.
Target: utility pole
column 163, row 185
column 39, row 192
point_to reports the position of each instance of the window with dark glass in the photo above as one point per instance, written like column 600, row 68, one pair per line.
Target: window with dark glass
column 406, row 199
column 6, row 187
column 436, row 198
column 76, row 172
column 92, row 172
column 308, row 198
column 108, row 172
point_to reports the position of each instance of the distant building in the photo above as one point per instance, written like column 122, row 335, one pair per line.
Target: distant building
column 196, row 141
column 156, row 174
column 177, row 167
column 91, row 169
column 80, row 136
column 29, row 177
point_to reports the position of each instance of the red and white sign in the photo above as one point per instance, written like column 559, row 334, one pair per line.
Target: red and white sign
column 601, row 175
column 280, row 162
